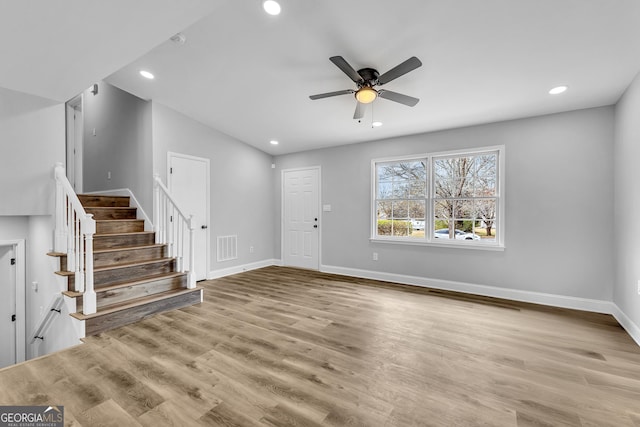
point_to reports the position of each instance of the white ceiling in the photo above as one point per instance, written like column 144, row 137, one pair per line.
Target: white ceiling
column 249, row 74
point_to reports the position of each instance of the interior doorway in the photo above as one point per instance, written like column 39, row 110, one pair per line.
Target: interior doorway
column 188, row 182
column 301, row 218
column 75, row 128
column 12, row 303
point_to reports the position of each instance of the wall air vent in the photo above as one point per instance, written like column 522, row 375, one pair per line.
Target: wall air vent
column 227, row 248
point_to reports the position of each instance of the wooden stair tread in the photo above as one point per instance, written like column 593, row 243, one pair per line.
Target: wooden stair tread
column 131, row 264
column 72, row 294
column 120, row 285
column 117, row 266
column 127, row 248
column 135, row 303
column 102, row 195
column 119, row 249
column 121, row 220
column 124, row 234
column 109, row 207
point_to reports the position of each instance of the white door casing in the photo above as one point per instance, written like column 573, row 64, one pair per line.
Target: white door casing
column 12, row 289
column 7, row 307
column 301, row 218
column 188, row 182
column 74, row 142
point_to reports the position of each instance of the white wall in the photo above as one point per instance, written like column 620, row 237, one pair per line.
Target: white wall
column 40, row 269
column 32, row 140
column 37, row 231
column 559, row 208
column 627, row 207
column 121, row 144
column 242, row 197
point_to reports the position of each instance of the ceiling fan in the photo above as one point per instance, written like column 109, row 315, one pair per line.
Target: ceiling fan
column 367, row 78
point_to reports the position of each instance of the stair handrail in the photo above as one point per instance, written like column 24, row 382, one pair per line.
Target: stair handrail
column 74, row 236
column 45, row 322
column 175, row 229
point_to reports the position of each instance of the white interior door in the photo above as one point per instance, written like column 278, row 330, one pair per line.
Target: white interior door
column 189, row 186
column 7, row 307
column 301, row 218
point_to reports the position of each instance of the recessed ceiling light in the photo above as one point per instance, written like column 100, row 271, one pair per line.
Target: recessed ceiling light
column 274, row 142
column 558, row 89
column 271, row 7
column 146, row 74
column 376, row 124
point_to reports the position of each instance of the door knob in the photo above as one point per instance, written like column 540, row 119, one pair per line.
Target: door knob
column 204, row 227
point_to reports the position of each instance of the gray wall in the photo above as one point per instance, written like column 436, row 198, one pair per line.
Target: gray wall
column 121, row 144
column 242, row 197
column 627, row 203
column 32, row 135
column 559, row 206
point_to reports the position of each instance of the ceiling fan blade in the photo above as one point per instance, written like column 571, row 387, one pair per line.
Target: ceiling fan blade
column 398, row 97
column 399, row 70
column 360, row 110
column 340, row 62
column 328, row 94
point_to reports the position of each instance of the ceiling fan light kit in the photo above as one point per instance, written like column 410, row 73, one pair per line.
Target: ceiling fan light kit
column 367, row 78
column 366, row 95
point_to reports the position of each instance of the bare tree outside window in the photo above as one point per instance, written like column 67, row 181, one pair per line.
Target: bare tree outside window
column 465, row 194
column 448, row 196
column 401, row 193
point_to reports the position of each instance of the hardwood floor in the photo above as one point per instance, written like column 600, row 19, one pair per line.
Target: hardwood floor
column 281, row 347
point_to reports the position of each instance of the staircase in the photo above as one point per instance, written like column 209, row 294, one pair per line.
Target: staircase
column 133, row 277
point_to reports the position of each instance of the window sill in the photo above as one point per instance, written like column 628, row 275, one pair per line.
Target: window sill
column 445, row 244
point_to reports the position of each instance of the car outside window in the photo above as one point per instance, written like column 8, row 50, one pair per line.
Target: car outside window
column 443, row 198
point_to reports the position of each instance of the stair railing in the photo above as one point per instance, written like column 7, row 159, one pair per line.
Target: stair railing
column 47, row 320
column 74, row 236
column 174, row 229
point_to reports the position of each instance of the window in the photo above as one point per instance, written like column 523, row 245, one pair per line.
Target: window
column 442, row 198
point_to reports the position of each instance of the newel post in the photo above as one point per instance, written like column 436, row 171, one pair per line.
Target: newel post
column 192, row 255
column 89, row 304
column 60, row 240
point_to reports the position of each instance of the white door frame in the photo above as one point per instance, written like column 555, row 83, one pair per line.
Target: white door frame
column 282, row 208
column 74, row 131
column 171, row 154
column 21, row 286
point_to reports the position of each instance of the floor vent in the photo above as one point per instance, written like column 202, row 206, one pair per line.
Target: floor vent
column 227, row 248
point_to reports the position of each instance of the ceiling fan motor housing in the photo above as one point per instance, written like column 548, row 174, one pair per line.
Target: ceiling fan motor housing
column 370, row 77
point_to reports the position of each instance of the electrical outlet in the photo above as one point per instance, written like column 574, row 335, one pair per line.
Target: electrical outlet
column 250, row 249
column 375, row 256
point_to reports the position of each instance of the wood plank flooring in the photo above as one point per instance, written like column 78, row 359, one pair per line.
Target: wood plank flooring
column 289, row 347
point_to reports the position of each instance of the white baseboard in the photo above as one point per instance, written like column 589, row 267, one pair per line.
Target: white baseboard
column 215, row 274
column 575, row 303
column 632, row 329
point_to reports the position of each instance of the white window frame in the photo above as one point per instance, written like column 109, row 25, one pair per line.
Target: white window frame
column 429, row 240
